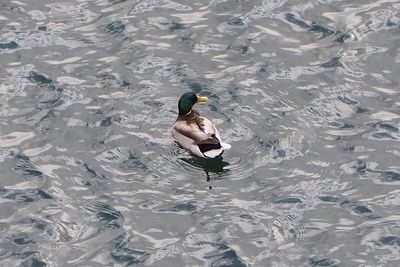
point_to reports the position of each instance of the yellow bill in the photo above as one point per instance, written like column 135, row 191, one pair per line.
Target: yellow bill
column 202, row 99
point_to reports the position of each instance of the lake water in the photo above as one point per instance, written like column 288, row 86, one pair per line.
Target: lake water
column 306, row 92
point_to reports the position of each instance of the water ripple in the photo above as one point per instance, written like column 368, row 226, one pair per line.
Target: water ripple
column 306, row 93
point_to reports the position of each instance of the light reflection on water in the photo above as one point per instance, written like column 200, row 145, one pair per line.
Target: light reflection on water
column 306, row 93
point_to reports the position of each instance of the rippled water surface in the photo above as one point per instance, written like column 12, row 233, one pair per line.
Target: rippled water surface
column 306, row 92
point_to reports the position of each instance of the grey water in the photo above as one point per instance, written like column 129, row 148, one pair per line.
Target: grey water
column 306, row 92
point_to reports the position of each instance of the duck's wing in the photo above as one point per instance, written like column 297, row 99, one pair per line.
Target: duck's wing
column 212, row 129
column 225, row 146
column 187, row 137
column 197, row 138
column 199, row 134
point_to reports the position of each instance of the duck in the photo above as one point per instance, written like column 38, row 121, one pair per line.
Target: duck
column 196, row 133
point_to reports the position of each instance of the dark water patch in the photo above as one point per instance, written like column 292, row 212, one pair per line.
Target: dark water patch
column 388, row 240
column 234, row 93
column 390, row 176
column 359, row 209
column 123, row 253
column 297, row 21
column 22, row 240
column 10, row 45
column 315, row 27
column 40, row 78
column 349, row 147
column 390, row 23
column 333, row 63
column 382, row 136
column 268, row 143
column 227, row 258
column 25, row 166
column 347, row 100
column 243, row 49
column 314, row 262
column 195, row 87
column 329, row 199
column 109, row 217
column 391, row 127
column 25, row 196
column 125, row 83
column 34, row 263
column 115, row 27
column 236, row 22
column 133, row 162
column 346, row 125
column 176, row 26
column 91, row 171
column 363, row 210
column 87, row 40
column 106, row 121
column 360, row 166
column 263, row 68
column 188, row 39
column 361, row 110
column 343, row 38
column 246, row 216
column 114, row 2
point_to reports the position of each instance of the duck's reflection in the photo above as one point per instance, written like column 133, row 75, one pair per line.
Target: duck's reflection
column 209, row 166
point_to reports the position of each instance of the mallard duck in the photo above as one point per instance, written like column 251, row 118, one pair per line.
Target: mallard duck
column 194, row 132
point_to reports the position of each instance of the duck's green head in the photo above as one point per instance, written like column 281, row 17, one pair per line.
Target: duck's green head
column 187, row 101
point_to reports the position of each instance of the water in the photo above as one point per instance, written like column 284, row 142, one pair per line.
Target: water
column 306, row 92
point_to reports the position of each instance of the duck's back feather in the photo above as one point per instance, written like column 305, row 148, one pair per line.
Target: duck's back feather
column 199, row 135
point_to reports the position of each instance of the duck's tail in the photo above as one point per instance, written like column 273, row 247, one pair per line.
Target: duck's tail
column 212, row 154
column 216, row 152
column 225, row 146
